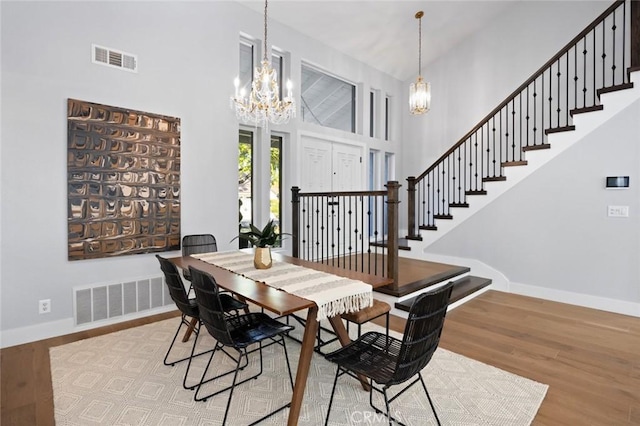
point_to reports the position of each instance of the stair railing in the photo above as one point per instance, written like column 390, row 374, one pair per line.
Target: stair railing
column 597, row 60
column 355, row 230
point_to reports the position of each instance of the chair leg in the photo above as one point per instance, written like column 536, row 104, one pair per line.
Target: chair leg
column 286, row 357
column 429, row 398
column 333, row 390
column 233, row 386
column 175, row 336
column 386, row 404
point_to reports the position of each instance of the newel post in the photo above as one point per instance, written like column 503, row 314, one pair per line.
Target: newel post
column 635, row 35
column 393, row 201
column 411, row 208
column 295, row 220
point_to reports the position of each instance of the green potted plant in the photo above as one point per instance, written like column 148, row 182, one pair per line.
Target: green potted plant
column 263, row 239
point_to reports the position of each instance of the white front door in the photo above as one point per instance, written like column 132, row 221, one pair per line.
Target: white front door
column 329, row 166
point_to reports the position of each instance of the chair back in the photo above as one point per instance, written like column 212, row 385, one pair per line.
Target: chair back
column 211, row 309
column 422, row 333
column 176, row 287
column 198, row 243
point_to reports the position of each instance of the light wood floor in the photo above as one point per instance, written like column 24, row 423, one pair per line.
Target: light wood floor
column 590, row 359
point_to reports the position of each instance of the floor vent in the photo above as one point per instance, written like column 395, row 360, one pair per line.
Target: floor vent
column 106, row 301
column 114, row 58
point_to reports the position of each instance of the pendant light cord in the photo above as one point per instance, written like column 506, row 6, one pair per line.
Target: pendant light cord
column 419, row 46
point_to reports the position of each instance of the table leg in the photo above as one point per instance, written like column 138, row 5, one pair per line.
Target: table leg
column 306, row 352
column 343, row 337
column 192, row 325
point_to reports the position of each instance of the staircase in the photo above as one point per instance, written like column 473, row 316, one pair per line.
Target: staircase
column 574, row 93
column 566, row 95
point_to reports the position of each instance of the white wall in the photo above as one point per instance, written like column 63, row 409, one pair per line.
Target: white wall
column 188, row 57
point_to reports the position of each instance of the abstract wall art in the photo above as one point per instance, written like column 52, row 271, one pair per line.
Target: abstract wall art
column 123, row 171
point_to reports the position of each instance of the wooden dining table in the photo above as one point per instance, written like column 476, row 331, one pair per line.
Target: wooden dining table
column 282, row 303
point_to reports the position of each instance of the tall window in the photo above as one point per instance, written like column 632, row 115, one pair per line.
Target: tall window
column 372, row 114
column 327, row 100
column 386, row 117
column 389, row 167
column 245, row 182
column 277, row 64
column 246, row 66
column 275, row 189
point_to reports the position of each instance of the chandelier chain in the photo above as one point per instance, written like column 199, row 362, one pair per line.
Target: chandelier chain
column 264, row 54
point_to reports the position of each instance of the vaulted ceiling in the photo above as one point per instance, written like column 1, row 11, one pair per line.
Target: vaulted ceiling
column 384, row 34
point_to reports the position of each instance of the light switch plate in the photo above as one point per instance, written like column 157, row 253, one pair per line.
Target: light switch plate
column 618, row 211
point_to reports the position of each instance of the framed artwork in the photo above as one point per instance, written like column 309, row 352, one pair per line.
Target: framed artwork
column 123, row 171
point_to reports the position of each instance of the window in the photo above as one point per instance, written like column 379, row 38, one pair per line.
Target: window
column 389, row 167
column 372, row 114
column 275, row 192
column 245, row 182
column 386, row 118
column 277, row 65
column 328, row 101
column 246, row 66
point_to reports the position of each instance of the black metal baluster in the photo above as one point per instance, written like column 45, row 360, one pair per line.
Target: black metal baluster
column 559, row 74
column 624, row 41
column 494, row 145
column 613, row 58
column 350, row 212
column 535, row 113
column 520, row 126
column 604, row 54
column 550, row 97
column 594, row 67
column 567, row 95
column 527, row 117
column 375, row 235
column 513, row 129
column 584, row 72
column 506, row 143
column 575, row 76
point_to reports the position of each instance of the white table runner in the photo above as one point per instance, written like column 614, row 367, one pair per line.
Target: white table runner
column 333, row 294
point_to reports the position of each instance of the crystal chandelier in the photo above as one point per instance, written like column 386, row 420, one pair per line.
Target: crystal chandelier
column 263, row 105
column 419, row 92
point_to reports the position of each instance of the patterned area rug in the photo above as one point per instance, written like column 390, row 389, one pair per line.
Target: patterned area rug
column 119, row 379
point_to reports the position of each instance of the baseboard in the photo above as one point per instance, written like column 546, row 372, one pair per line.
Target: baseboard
column 586, row 300
column 32, row 333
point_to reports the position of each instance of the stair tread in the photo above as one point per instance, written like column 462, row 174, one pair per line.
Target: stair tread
column 494, row 178
column 446, row 272
column 461, row 289
column 614, row 88
column 536, row 147
column 403, row 244
column 560, row 129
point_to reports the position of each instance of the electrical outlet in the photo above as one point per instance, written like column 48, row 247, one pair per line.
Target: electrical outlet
column 44, row 306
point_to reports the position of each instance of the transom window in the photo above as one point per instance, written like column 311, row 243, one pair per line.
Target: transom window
column 327, row 100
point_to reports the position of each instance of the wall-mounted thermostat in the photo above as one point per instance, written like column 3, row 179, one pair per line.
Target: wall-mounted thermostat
column 617, row 181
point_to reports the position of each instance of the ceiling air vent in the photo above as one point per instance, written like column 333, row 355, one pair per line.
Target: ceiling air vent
column 114, row 58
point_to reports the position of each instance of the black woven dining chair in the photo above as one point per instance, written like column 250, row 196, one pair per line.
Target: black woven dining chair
column 388, row 361
column 197, row 243
column 189, row 308
column 236, row 333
